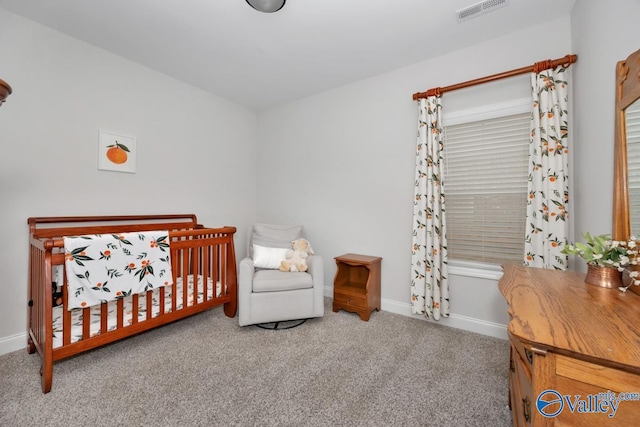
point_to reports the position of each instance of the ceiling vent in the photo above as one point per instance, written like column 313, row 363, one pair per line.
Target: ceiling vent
column 479, row 9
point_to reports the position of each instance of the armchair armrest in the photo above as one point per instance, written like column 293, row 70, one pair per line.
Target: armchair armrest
column 245, row 286
column 315, row 268
column 245, row 277
column 314, row 264
column 246, row 269
column 247, row 262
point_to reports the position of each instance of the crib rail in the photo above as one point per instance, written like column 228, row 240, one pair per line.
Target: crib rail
column 60, row 226
column 201, row 257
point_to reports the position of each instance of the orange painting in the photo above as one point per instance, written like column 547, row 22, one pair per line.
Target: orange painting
column 117, row 152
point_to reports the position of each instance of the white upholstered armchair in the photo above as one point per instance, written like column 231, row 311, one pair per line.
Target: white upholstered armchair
column 266, row 294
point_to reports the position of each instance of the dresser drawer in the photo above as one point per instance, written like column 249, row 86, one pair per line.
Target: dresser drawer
column 350, row 300
column 602, row 377
column 580, row 379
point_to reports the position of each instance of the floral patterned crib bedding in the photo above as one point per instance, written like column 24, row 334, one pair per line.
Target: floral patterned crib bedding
column 76, row 315
column 105, row 267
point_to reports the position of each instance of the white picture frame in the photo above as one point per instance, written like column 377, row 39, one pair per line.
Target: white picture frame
column 116, row 152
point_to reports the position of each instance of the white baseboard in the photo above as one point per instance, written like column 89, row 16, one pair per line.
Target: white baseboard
column 13, row 343
column 454, row 320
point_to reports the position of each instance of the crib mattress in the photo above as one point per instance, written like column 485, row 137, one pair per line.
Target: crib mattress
column 77, row 314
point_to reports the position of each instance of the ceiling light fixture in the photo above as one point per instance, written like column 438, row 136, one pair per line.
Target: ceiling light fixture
column 5, row 90
column 267, row 6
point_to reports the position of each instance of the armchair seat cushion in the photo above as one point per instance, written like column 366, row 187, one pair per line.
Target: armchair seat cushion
column 276, row 281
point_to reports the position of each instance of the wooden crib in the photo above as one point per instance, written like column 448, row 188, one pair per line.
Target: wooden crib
column 203, row 265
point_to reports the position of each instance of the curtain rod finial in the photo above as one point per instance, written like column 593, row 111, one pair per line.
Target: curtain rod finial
column 436, row 91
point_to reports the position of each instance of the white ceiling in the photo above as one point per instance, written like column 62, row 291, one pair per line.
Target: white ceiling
column 261, row 60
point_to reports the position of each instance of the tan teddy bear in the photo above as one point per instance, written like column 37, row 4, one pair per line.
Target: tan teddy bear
column 296, row 259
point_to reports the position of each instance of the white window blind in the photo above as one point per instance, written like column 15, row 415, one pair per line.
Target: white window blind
column 633, row 163
column 486, row 188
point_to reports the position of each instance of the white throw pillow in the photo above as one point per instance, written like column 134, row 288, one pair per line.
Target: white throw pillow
column 264, row 257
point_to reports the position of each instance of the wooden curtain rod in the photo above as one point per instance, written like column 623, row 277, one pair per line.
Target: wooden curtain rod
column 535, row 68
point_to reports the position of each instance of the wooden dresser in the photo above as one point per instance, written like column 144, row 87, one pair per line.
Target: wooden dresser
column 569, row 338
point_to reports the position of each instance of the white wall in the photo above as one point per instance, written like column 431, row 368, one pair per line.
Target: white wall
column 342, row 163
column 602, row 33
column 195, row 151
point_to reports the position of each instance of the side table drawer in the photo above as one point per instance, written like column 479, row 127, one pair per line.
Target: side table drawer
column 351, row 300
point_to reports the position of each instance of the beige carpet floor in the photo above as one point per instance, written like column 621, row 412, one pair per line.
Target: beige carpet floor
column 331, row 371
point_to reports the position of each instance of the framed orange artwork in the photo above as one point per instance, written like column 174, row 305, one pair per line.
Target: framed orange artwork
column 116, row 152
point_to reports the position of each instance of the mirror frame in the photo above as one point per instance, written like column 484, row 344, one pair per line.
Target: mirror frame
column 627, row 92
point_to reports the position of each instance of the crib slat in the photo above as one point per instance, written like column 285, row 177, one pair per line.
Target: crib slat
column 66, row 313
column 219, row 256
column 215, row 270
column 149, row 299
column 174, row 296
column 86, row 323
column 120, row 313
column 175, row 266
column 134, row 309
column 161, row 301
column 205, row 274
column 195, row 261
column 104, row 311
column 185, row 278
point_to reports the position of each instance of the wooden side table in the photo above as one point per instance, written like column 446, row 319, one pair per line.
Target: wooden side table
column 356, row 286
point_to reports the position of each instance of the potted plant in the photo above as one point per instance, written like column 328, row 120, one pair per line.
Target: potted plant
column 606, row 259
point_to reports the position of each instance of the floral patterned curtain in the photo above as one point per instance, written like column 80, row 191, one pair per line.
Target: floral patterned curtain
column 548, row 196
column 429, row 284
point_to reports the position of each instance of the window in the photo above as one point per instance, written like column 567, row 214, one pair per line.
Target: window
column 486, row 169
column 633, row 163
